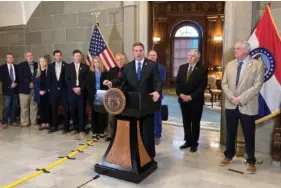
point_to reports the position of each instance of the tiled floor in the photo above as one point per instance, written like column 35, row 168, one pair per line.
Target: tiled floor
column 24, row 150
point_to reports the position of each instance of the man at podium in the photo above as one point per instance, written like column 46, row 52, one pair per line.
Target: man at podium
column 141, row 75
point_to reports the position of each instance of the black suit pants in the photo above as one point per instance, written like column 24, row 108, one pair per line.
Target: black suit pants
column 56, row 101
column 191, row 115
column 77, row 110
column 248, row 128
column 147, row 133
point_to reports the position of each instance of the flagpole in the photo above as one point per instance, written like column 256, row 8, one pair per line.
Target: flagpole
column 97, row 24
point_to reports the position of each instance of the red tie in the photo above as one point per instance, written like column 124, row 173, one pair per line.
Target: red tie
column 119, row 73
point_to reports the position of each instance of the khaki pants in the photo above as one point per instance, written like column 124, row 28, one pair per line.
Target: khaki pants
column 28, row 107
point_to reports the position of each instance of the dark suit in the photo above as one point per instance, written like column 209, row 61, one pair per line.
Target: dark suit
column 157, row 114
column 150, row 81
column 192, row 110
column 26, row 77
column 113, row 72
column 98, row 120
column 77, row 102
column 40, row 84
column 26, row 94
column 58, row 95
column 10, row 95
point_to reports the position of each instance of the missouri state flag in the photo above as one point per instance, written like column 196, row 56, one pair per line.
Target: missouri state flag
column 266, row 46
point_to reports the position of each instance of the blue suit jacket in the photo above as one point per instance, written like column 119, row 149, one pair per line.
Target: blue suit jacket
column 57, row 87
column 162, row 71
column 6, row 80
column 25, row 77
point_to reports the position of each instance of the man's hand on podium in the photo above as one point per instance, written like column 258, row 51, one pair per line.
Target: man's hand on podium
column 107, row 83
column 155, row 95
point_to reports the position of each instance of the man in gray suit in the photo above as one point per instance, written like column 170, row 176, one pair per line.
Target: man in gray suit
column 241, row 84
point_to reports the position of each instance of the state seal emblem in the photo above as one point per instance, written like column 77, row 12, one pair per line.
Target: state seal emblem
column 114, row 101
column 267, row 58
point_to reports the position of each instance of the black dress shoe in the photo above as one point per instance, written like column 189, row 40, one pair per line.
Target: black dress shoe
column 193, row 149
column 65, row 131
column 108, row 139
column 185, row 145
column 52, row 130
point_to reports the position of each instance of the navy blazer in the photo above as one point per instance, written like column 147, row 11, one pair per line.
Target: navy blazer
column 37, row 88
column 57, row 87
column 6, row 80
column 162, row 71
column 150, row 78
column 25, row 77
column 70, row 77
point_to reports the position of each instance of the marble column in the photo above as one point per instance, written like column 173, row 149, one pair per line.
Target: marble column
column 142, row 25
column 130, row 27
column 237, row 26
column 1, row 102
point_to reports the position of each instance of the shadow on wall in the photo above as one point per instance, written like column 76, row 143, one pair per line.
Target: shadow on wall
column 115, row 38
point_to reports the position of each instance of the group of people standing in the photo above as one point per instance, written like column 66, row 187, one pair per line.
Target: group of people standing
column 72, row 85
column 44, row 88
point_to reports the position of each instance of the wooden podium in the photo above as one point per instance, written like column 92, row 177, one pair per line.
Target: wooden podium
column 126, row 157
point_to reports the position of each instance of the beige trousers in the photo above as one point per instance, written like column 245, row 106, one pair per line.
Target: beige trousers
column 28, row 107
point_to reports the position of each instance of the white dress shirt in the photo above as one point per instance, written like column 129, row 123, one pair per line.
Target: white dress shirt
column 13, row 68
column 137, row 64
column 58, row 69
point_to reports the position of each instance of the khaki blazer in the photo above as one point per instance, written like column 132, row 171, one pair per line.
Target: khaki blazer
column 250, row 84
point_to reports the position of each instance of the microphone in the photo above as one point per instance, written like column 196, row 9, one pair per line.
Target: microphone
column 121, row 86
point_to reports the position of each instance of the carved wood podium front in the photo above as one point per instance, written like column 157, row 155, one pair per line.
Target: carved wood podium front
column 126, row 157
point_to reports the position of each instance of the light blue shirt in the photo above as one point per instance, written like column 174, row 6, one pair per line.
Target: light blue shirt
column 245, row 62
column 98, row 75
column 137, row 64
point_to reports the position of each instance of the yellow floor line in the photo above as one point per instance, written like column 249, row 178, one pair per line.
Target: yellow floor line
column 47, row 168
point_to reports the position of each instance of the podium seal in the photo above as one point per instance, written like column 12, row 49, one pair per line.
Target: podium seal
column 114, row 101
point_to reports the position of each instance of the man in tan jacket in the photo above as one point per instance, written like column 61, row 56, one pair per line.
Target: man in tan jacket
column 241, row 84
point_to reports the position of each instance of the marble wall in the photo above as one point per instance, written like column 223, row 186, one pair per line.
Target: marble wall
column 67, row 26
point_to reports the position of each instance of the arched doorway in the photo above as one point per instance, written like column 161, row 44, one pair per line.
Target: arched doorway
column 185, row 36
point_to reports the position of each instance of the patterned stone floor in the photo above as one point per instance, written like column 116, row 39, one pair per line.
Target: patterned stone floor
column 24, row 150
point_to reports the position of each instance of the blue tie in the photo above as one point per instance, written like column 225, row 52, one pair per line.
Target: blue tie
column 238, row 72
column 11, row 73
column 139, row 71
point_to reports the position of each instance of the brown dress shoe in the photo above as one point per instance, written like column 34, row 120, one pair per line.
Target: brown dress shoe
column 5, row 126
column 14, row 124
column 251, row 169
column 74, row 132
column 82, row 134
column 225, row 162
column 24, row 126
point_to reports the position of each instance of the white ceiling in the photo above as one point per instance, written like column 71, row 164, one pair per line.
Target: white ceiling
column 16, row 12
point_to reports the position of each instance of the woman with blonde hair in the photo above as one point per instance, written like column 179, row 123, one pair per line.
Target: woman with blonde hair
column 95, row 79
column 41, row 93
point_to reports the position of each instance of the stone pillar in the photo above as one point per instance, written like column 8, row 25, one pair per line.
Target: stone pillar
column 237, row 26
column 1, row 102
column 130, row 27
column 143, row 23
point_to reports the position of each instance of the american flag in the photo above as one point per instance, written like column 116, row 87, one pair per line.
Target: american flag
column 99, row 48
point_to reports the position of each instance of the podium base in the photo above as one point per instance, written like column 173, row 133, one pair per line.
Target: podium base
column 127, row 175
